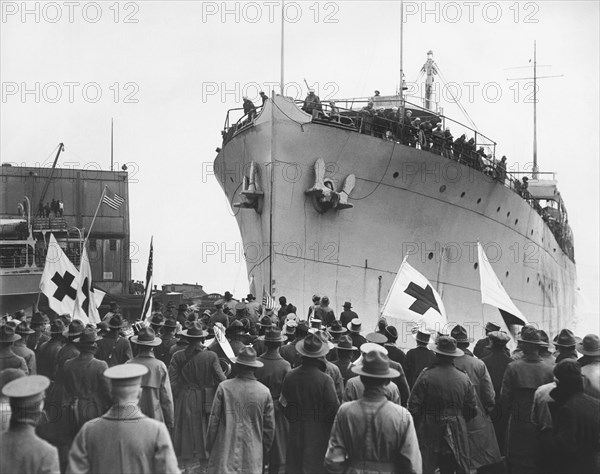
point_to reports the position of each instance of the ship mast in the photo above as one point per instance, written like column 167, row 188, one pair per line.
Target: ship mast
column 534, row 175
column 401, row 91
column 430, row 69
column 281, row 84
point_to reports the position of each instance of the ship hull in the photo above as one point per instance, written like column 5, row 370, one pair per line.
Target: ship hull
column 405, row 202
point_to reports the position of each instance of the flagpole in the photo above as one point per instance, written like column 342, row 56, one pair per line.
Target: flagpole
column 95, row 214
column 392, row 287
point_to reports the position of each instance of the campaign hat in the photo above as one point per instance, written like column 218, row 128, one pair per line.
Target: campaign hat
column 170, row 323
column 355, row 326
column 157, row 319
column 39, row 319
column 250, row 297
column 20, row 313
column 589, row 346
column 23, row 329
column 544, row 337
column 530, row 335
column 228, row 295
column 182, row 307
column 375, row 364
column 25, row 391
column 345, row 344
column 489, row 327
column 347, row 305
column 116, row 322
column 7, row 334
column 337, row 328
column 124, row 375
column 219, row 303
column 57, row 327
column 247, row 357
column 265, row 322
column 272, row 335
column 446, row 345
column 565, row 338
column 235, row 326
column 194, row 330
column 316, row 324
column 75, row 328
column 146, row 337
column 240, row 306
column 460, row 334
column 88, row 336
column 312, row 346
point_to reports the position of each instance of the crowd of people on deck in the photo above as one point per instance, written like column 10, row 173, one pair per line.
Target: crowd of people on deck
column 252, row 389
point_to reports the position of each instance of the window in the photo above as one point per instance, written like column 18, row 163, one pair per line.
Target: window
column 113, row 244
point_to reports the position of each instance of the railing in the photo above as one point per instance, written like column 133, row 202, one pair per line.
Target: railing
column 379, row 122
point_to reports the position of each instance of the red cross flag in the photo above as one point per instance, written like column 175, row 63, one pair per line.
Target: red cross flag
column 60, row 279
column 414, row 301
column 86, row 304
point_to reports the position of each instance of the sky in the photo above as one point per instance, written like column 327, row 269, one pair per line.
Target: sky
column 167, row 72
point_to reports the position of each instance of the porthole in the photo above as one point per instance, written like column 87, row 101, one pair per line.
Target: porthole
column 507, row 274
column 475, row 266
column 508, row 214
column 498, row 209
column 527, row 279
column 478, row 200
column 430, row 256
column 531, row 231
column 462, row 195
column 516, row 221
column 396, row 174
column 442, row 188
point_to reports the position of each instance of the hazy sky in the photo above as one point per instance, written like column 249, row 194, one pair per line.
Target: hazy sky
column 169, row 71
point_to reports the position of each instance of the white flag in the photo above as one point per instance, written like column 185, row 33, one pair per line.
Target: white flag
column 86, row 308
column 412, row 299
column 60, row 279
column 492, row 291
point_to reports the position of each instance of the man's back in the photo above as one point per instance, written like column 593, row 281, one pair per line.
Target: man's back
column 120, row 442
column 417, row 359
column 23, row 452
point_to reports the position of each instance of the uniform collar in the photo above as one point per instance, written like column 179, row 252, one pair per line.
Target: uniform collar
column 127, row 412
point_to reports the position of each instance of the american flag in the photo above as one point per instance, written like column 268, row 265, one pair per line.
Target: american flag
column 269, row 302
column 147, row 308
column 112, row 200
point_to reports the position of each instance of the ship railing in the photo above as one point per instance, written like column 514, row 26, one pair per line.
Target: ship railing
column 233, row 126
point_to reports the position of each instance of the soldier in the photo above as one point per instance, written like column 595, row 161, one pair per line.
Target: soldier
column 483, row 445
column 372, row 434
column 242, row 423
column 335, row 330
column 123, row 439
column 86, row 390
column 441, row 403
column 249, row 109
column 347, row 315
column 113, row 348
column 22, row 451
column 182, row 314
column 590, row 364
column 496, row 362
column 418, row 358
column 219, row 316
column 310, row 404
column 8, row 359
column 156, row 399
column 521, row 379
column 6, row 376
column 345, row 351
column 20, row 346
column 39, row 323
column 394, row 352
column 229, row 302
column 355, row 328
column 264, row 325
column 253, row 307
column 168, row 340
column 482, row 348
column 572, row 446
column 194, row 373
column 289, row 351
column 565, row 343
column 271, row 375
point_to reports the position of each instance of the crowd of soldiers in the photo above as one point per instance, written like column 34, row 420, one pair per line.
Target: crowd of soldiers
column 299, row 394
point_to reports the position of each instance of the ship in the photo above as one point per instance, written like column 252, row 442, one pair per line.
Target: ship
column 329, row 202
column 27, row 223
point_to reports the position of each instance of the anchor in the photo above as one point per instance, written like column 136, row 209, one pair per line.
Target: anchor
column 326, row 197
column 251, row 193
